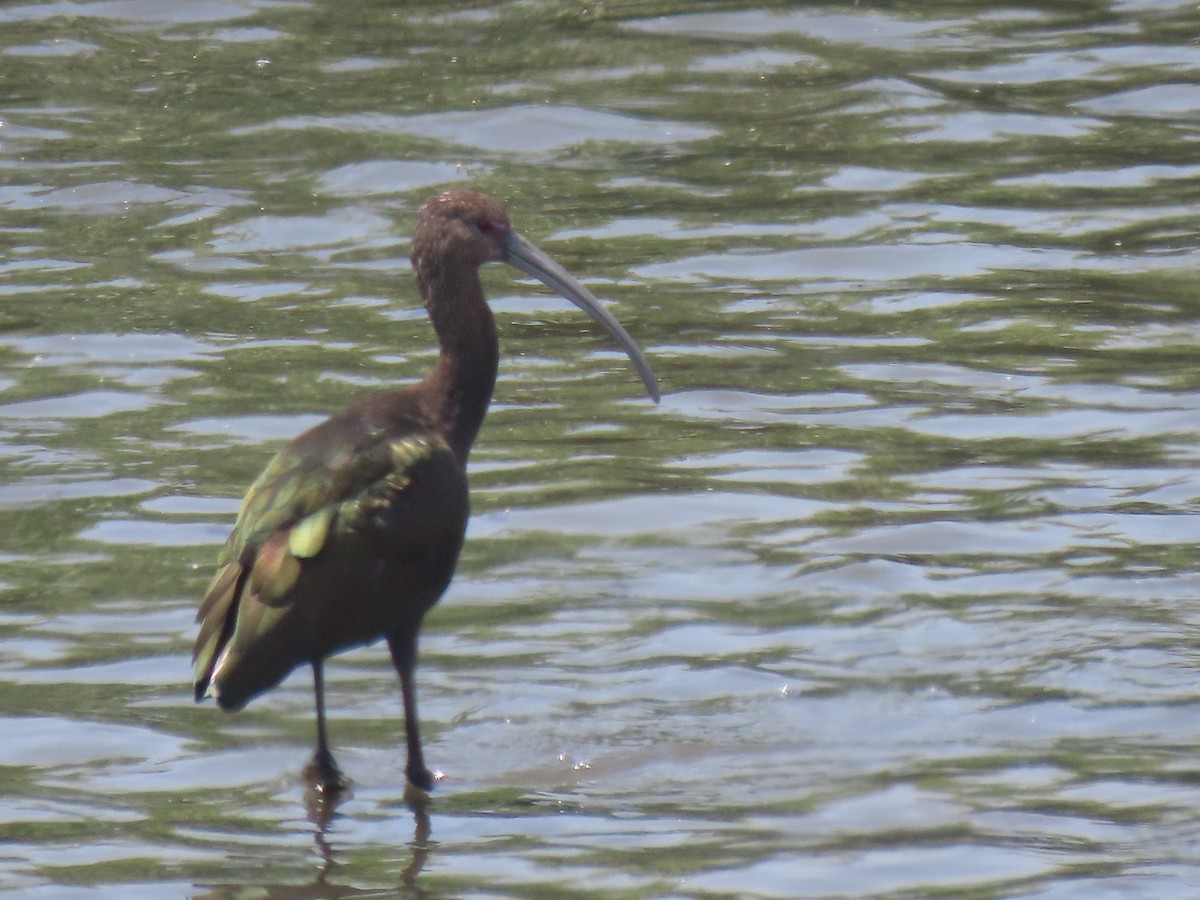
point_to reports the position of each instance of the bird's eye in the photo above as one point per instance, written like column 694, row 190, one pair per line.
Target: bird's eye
column 491, row 228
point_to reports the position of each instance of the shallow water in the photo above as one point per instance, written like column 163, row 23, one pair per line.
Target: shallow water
column 893, row 594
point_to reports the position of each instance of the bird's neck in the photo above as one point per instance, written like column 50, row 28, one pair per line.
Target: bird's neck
column 461, row 384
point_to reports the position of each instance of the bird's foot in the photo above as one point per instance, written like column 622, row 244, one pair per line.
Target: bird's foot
column 325, row 788
column 419, row 776
column 420, row 782
column 418, row 785
column 323, row 776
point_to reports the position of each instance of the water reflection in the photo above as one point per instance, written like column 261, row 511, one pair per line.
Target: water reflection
column 330, row 883
column 893, row 595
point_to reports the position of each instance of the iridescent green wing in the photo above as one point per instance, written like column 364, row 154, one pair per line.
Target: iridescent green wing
column 287, row 517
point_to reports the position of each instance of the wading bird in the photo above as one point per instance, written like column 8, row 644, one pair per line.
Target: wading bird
column 353, row 530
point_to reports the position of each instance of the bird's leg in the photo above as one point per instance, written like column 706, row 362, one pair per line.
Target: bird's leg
column 404, row 656
column 322, row 772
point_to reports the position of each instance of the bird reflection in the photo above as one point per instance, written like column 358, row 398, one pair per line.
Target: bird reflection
column 322, row 808
column 322, row 804
column 321, row 799
column 420, row 847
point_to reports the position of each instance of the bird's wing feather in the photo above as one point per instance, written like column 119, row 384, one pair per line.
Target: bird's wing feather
column 321, row 484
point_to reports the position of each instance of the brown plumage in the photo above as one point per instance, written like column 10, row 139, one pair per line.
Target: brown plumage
column 353, row 530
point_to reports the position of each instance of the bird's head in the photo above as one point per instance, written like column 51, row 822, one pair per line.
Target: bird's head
column 464, row 226
column 458, row 231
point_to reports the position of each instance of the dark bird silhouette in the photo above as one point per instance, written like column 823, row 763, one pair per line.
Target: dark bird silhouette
column 353, row 530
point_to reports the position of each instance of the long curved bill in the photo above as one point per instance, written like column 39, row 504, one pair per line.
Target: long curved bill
column 532, row 261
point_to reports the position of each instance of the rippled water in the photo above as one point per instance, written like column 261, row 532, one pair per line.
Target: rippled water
column 892, row 596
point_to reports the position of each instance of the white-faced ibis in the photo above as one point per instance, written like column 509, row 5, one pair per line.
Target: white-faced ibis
column 353, row 530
